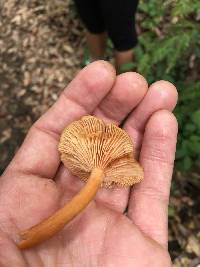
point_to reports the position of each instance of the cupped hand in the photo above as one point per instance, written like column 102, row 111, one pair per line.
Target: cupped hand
column 35, row 184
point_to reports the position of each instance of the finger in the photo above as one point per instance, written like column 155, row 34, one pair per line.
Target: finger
column 127, row 93
column 39, row 154
column 149, row 199
column 161, row 95
column 129, row 90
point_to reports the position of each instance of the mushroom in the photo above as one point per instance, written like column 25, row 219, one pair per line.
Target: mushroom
column 101, row 155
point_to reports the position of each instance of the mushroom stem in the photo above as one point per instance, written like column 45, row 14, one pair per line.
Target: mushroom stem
column 57, row 221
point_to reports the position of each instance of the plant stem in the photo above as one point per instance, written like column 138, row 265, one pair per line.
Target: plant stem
column 57, row 221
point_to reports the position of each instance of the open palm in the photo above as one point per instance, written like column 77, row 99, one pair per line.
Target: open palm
column 35, row 184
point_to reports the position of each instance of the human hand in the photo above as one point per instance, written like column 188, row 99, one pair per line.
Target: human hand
column 35, row 185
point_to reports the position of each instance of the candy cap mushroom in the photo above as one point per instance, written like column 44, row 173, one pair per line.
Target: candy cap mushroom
column 90, row 143
column 98, row 153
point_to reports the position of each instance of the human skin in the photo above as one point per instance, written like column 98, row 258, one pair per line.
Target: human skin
column 35, row 184
column 96, row 44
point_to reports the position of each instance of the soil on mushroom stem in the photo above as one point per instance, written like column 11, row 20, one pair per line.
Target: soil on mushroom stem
column 41, row 49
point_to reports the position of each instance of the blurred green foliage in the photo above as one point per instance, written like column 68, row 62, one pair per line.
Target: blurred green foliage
column 169, row 48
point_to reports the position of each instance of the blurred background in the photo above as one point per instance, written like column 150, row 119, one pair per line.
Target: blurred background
column 41, row 50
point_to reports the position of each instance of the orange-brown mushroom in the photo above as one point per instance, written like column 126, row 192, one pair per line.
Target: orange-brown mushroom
column 101, row 155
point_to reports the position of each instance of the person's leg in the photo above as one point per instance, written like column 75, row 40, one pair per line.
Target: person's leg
column 123, row 57
column 91, row 16
column 119, row 17
column 96, row 44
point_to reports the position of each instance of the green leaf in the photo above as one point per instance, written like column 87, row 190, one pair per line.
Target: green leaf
column 196, row 118
column 127, row 67
column 195, row 138
column 194, row 146
column 197, row 162
column 180, row 153
column 190, row 127
column 182, row 148
column 171, row 211
column 187, row 163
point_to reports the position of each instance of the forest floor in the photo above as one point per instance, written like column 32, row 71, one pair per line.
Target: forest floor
column 41, row 50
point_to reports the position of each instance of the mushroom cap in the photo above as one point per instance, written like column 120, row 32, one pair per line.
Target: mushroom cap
column 89, row 143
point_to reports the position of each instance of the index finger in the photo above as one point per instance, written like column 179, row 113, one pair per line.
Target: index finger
column 38, row 154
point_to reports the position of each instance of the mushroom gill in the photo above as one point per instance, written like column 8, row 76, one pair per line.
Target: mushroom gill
column 98, row 153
